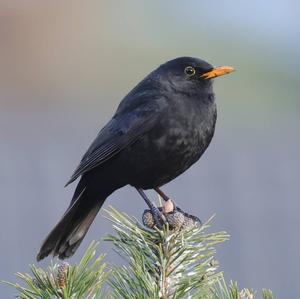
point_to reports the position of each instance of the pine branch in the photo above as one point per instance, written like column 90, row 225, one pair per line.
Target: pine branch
column 83, row 280
column 163, row 263
column 176, row 262
column 222, row 291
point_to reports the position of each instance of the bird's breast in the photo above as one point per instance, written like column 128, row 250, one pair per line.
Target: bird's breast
column 171, row 147
column 180, row 141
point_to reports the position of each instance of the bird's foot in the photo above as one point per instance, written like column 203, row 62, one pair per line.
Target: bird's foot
column 157, row 216
column 159, row 220
column 171, row 214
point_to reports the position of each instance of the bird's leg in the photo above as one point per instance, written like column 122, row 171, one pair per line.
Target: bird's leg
column 162, row 194
column 169, row 205
column 159, row 218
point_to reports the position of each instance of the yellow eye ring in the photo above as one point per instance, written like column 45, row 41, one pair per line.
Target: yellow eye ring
column 189, row 71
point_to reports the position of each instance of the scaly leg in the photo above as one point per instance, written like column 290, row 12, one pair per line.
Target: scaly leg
column 159, row 218
column 162, row 194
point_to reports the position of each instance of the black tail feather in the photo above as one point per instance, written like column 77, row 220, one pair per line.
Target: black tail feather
column 67, row 235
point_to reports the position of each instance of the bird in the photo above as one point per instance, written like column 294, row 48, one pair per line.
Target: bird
column 160, row 129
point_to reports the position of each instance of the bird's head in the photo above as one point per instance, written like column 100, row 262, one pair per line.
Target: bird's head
column 188, row 73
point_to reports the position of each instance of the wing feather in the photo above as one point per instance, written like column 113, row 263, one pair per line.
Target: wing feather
column 115, row 136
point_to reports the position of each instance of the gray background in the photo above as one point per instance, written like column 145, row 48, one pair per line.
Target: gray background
column 65, row 65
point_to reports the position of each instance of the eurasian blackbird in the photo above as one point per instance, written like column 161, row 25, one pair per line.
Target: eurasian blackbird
column 159, row 130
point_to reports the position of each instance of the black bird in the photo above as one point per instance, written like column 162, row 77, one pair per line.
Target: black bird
column 159, row 130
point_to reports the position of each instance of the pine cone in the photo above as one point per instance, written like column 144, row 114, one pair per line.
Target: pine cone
column 148, row 219
column 189, row 220
column 175, row 219
column 62, row 272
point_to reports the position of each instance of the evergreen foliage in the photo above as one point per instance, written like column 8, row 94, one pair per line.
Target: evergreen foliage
column 83, row 280
column 160, row 264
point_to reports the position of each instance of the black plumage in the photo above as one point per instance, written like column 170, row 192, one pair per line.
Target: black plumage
column 159, row 130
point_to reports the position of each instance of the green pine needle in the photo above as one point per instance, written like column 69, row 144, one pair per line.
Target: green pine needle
column 160, row 264
column 163, row 263
column 81, row 281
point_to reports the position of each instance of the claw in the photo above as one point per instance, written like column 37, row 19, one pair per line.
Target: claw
column 168, row 213
column 154, row 217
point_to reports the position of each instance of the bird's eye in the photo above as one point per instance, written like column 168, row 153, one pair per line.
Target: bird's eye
column 190, row 71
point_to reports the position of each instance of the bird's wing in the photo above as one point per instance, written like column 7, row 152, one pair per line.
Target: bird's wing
column 123, row 130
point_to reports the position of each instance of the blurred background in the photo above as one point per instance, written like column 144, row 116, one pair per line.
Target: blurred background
column 64, row 67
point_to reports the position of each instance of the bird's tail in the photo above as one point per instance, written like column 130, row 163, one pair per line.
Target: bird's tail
column 67, row 235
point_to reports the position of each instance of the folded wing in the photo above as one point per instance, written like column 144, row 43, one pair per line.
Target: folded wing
column 121, row 131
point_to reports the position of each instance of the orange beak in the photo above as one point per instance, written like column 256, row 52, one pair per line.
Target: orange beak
column 218, row 71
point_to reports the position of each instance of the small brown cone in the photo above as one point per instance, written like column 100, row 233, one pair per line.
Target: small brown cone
column 148, row 219
column 62, row 272
column 175, row 219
